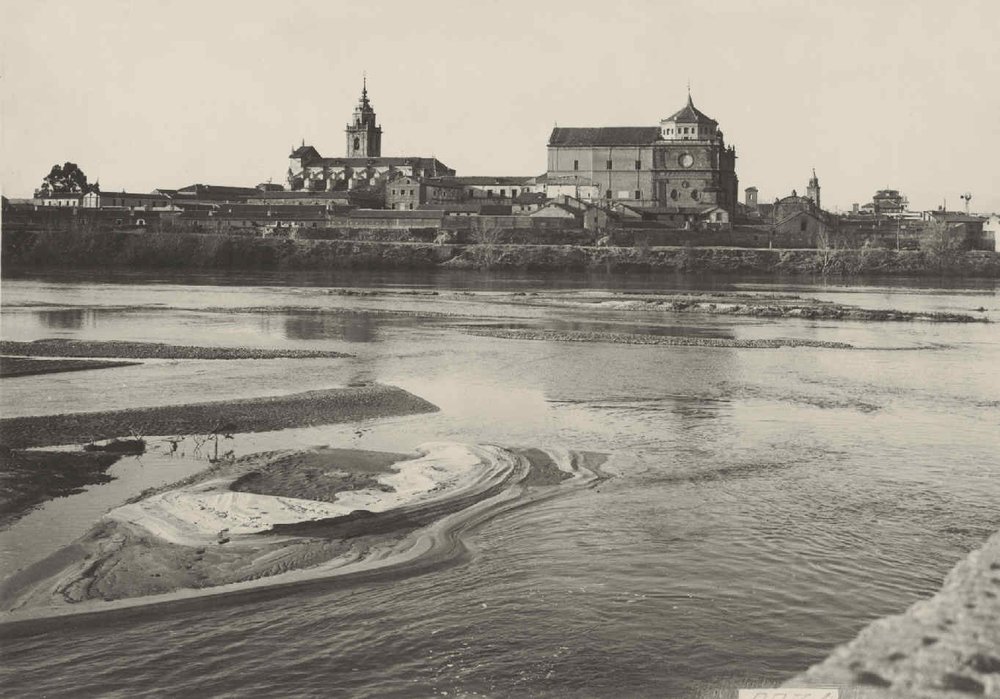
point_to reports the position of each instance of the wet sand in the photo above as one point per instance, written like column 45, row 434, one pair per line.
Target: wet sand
column 150, row 350
column 321, row 407
column 29, row 478
column 11, row 367
column 203, row 533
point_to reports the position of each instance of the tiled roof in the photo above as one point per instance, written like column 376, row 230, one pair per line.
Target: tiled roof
column 675, row 209
column 488, row 180
column 300, row 194
column 390, row 213
column 690, row 115
column 133, row 195
column 530, row 198
column 416, row 161
column 304, row 151
column 216, row 190
column 605, row 136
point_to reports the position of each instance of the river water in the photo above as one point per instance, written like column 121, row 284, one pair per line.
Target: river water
column 765, row 505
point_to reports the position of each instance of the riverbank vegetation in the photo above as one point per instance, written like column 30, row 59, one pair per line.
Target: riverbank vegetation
column 95, row 249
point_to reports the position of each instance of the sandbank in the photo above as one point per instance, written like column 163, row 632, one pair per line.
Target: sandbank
column 327, row 406
column 201, row 535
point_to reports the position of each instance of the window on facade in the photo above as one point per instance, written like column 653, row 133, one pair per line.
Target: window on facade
column 609, row 164
column 576, row 164
column 673, row 194
column 694, row 194
column 802, row 226
column 638, row 194
column 638, row 164
column 357, row 143
column 503, row 193
column 607, row 194
column 489, row 193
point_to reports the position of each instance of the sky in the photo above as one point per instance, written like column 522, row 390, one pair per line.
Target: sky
column 144, row 94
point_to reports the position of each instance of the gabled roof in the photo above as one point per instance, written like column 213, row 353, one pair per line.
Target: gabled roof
column 691, row 115
column 530, row 198
column 605, row 136
column 304, row 151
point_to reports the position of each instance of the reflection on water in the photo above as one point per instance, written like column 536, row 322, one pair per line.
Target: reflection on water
column 767, row 503
column 347, row 327
column 67, row 318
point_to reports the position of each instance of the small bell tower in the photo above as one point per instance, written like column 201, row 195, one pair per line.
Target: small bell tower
column 364, row 135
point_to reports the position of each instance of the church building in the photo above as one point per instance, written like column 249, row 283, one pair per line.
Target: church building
column 682, row 166
column 363, row 166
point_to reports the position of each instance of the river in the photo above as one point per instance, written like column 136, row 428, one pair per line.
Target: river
column 766, row 504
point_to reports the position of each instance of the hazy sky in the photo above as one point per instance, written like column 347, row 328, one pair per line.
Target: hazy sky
column 144, row 94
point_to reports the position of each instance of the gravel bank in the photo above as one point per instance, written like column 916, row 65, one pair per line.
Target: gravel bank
column 945, row 646
column 246, row 415
column 635, row 339
column 741, row 304
column 150, row 350
column 24, row 366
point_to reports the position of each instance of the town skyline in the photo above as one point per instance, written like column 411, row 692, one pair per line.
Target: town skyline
column 188, row 102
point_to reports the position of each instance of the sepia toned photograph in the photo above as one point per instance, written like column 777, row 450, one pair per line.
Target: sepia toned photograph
column 500, row 349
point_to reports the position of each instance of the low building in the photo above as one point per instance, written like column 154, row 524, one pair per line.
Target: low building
column 409, row 193
column 490, row 187
column 991, row 232
column 128, row 200
column 329, row 200
column 528, row 203
column 69, row 199
column 569, row 186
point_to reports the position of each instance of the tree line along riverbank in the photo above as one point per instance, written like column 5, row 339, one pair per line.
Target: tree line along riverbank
column 145, row 250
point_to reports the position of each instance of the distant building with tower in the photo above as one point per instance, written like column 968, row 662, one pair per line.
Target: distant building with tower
column 681, row 167
column 363, row 166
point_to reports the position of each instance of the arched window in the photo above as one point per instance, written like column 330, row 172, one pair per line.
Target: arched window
column 357, row 143
column 673, row 194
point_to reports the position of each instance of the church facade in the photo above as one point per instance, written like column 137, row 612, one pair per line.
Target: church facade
column 363, row 166
column 683, row 165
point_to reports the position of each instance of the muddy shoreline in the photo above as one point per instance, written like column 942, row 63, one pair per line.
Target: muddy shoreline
column 12, row 367
column 119, row 349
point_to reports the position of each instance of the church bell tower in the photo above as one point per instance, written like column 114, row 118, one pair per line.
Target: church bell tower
column 812, row 191
column 364, row 136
